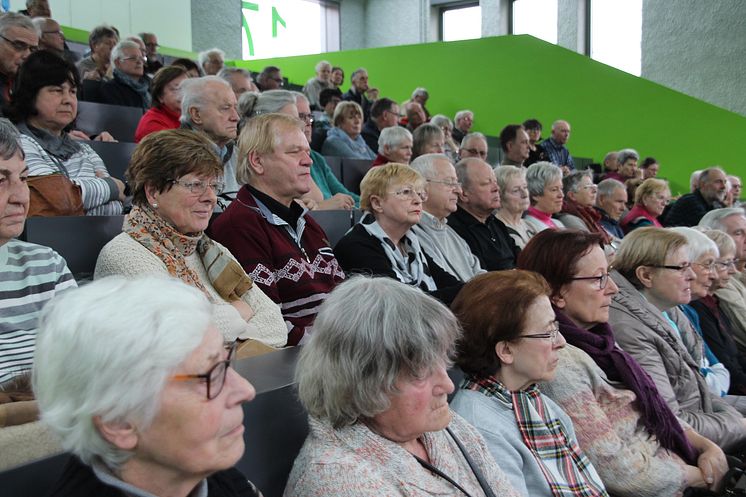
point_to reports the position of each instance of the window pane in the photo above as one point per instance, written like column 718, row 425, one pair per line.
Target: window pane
column 536, row 18
column 616, row 33
column 462, row 24
column 290, row 27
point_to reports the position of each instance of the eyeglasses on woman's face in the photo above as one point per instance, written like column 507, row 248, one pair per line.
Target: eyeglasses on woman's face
column 411, row 194
column 215, row 377
column 552, row 334
column 198, row 187
column 602, row 279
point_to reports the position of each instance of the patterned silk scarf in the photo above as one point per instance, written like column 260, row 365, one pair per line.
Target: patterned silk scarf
column 172, row 248
column 409, row 266
column 565, row 467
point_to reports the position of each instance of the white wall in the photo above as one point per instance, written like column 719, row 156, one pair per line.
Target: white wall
column 171, row 20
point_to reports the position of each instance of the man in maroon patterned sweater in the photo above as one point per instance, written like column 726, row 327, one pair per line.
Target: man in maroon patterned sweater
column 284, row 251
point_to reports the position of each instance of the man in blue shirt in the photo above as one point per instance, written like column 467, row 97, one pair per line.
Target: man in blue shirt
column 555, row 147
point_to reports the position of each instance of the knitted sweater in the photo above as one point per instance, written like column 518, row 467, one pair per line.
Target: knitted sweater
column 610, row 432
column 355, row 461
column 30, row 275
column 100, row 194
column 127, row 257
column 446, row 248
column 296, row 268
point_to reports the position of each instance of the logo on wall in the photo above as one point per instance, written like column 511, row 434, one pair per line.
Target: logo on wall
column 254, row 7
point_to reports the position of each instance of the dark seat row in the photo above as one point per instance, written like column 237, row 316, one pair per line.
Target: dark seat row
column 79, row 239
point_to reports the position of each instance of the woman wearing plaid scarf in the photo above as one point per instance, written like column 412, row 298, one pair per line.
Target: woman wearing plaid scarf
column 504, row 351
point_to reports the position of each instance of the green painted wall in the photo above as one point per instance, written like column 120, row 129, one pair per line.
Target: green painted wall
column 511, row 78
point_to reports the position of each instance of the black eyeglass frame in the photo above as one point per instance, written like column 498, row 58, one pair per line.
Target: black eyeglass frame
column 208, row 376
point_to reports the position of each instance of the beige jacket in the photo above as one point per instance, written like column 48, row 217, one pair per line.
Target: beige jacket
column 643, row 331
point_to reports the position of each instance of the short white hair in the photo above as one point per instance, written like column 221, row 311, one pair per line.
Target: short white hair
column 321, row 64
column 697, row 243
column 392, row 136
column 107, row 349
column 117, row 52
column 203, row 56
column 463, row 113
column 714, row 219
column 425, row 164
column 194, row 93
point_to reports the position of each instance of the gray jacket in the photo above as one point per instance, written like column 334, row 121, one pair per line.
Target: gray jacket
column 642, row 330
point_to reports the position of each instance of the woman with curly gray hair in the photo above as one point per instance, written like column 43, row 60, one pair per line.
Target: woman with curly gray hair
column 374, row 381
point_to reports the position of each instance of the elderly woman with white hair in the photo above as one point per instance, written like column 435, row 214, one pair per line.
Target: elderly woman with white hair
column 703, row 253
column 374, row 381
column 715, row 325
column 344, row 139
column 321, row 81
column 514, row 201
column 146, row 401
column 545, row 191
column 394, row 145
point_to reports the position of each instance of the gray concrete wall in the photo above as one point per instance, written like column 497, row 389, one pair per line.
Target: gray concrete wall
column 352, row 24
column 697, row 48
column 217, row 24
column 495, row 17
column 571, row 20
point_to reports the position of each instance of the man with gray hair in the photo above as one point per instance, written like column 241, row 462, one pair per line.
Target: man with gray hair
column 211, row 61
column 732, row 220
column 555, row 148
column 101, row 40
column 611, row 203
column 440, row 242
column 37, row 8
column 151, row 52
column 356, row 93
column 239, row 79
column 474, row 219
column 128, row 86
column 18, row 38
column 421, row 96
column 30, row 274
column 208, row 105
column 710, row 194
column 52, row 38
column 735, row 190
column 611, row 166
column 462, row 123
column 319, row 82
column 473, row 145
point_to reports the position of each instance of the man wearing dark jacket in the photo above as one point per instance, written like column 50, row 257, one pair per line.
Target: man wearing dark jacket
column 709, row 194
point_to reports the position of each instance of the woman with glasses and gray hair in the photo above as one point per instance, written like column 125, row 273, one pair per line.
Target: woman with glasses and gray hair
column 136, row 381
column 622, row 421
column 383, row 242
column 505, row 350
column 175, row 177
column 514, row 201
column 374, row 381
column 653, row 270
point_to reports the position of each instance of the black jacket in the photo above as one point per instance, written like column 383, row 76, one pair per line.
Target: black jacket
column 490, row 241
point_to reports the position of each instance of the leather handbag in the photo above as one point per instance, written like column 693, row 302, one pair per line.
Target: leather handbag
column 54, row 195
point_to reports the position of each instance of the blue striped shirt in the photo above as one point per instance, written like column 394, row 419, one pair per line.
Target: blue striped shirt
column 558, row 154
column 30, row 275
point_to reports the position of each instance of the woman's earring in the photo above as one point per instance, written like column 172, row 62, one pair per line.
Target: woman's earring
column 155, row 205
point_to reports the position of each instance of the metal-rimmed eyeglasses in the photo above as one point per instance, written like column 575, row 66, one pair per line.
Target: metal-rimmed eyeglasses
column 453, row 185
column 551, row 334
column 722, row 265
column 709, row 267
column 411, row 194
column 20, row 46
column 198, row 187
column 215, row 377
column 602, row 279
